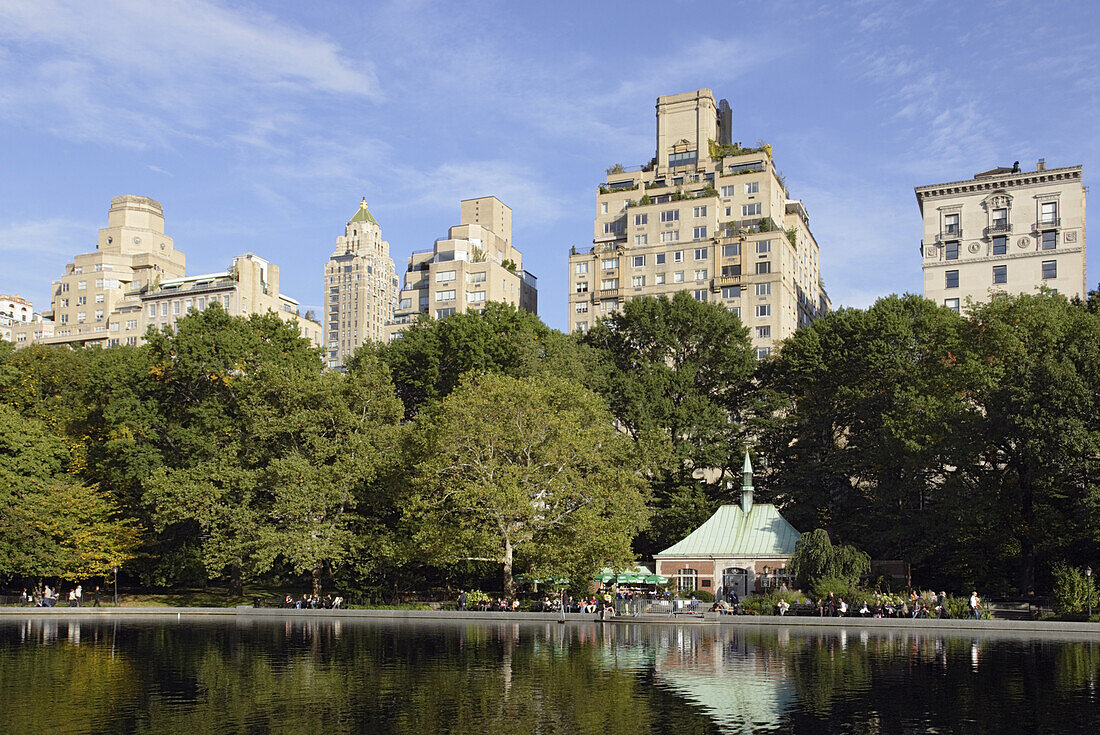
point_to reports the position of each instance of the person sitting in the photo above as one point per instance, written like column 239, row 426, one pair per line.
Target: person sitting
column 841, row 608
column 515, row 604
column 783, row 606
column 864, row 610
column 337, row 602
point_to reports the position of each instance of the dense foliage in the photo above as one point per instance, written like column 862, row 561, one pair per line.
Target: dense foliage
column 483, row 446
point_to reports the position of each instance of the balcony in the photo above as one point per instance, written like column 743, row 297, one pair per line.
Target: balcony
column 608, row 293
column 1048, row 223
column 728, row 280
column 950, row 232
column 998, row 228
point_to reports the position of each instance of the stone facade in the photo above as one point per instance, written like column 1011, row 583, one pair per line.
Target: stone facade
column 1005, row 230
column 705, row 216
column 360, row 290
column 476, row 263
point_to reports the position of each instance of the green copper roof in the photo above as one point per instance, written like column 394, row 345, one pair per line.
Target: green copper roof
column 732, row 532
column 363, row 215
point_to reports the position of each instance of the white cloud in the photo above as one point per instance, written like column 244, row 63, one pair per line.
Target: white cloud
column 140, row 74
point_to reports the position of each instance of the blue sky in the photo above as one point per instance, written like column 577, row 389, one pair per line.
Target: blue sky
column 259, row 126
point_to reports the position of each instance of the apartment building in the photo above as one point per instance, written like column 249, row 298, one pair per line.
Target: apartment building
column 1005, row 230
column 132, row 280
column 249, row 286
column 360, row 290
column 15, row 310
column 705, row 215
column 476, row 263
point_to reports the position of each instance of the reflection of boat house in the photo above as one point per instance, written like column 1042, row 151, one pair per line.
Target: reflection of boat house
column 741, row 548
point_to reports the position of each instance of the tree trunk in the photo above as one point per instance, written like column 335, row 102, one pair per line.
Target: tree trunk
column 508, row 583
column 236, row 582
column 317, row 579
column 1027, row 541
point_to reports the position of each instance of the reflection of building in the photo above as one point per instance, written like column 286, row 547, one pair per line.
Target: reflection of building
column 476, row 263
column 706, row 216
column 741, row 548
column 360, row 288
column 1005, row 230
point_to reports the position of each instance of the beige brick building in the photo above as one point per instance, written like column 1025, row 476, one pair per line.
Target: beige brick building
column 476, row 263
column 360, row 288
column 1003, row 230
column 707, row 216
column 132, row 280
column 15, row 310
column 249, row 286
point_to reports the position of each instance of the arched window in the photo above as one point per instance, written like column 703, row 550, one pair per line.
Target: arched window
column 686, row 580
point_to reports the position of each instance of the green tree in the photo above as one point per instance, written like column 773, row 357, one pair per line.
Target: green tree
column 430, row 357
column 816, row 558
column 526, row 471
column 678, row 372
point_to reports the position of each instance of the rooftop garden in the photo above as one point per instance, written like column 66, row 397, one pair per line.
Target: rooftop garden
column 719, row 151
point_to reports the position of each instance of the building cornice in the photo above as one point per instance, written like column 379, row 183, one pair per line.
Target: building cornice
column 1003, row 181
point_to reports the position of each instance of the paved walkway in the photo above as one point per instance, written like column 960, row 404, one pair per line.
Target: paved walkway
column 712, row 619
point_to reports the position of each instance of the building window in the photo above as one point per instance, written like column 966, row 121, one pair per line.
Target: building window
column 637, row 281
column 609, row 305
column 581, row 307
column 764, row 246
column 639, row 261
column 99, row 298
column 445, row 295
column 670, row 215
column 678, row 277
column 152, row 309
column 479, row 276
column 699, row 212
column 752, row 187
column 1050, row 269
column 441, row 313
column 764, row 267
column 660, row 258
column 1000, row 245
column 951, row 250
column 678, row 256
column 613, row 228
column 1000, row 218
column 670, row 236
column 1048, row 213
column 688, row 158
column 475, row 297
column 731, row 292
column 603, row 207
column 581, row 268
column 81, row 285
column 764, row 332
column 641, row 219
column 951, row 224
column 81, row 300
column 131, row 323
column 763, row 310
column 641, row 239
column 609, row 283
column 750, row 210
column 582, row 287
column 1000, row 274
column 700, row 274
column 582, row 326
column 609, row 264
column 700, row 253
column 1050, row 239
column 763, row 289
column 700, row 294
column 763, row 352
column 699, row 233
column 732, row 250
column 444, row 276
column 164, row 308
column 99, row 315
column 952, row 304
column 951, row 279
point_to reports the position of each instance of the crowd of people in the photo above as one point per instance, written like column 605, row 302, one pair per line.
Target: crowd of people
column 313, row 602
column 49, row 597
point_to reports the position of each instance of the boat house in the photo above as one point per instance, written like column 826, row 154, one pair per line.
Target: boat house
column 742, row 549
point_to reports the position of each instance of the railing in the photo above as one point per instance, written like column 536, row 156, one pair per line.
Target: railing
column 728, row 280
column 950, row 232
column 998, row 228
column 606, row 293
column 1047, row 223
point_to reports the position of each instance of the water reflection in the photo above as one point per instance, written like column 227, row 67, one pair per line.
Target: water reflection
column 305, row 674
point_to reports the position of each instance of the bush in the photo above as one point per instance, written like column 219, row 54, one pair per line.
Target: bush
column 1073, row 591
column 840, row 587
column 700, row 595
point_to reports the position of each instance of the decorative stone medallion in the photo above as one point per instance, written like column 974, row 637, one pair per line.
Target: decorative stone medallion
column 1070, row 236
column 973, row 248
column 1023, row 242
column 930, row 251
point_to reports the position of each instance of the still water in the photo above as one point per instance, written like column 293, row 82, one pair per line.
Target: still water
column 297, row 675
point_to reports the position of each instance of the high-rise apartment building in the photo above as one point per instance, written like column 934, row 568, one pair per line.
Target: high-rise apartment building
column 476, row 263
column 360, row 288
column 1003, row 230
column 708, row 216
column 135, row 279
column 15, row 310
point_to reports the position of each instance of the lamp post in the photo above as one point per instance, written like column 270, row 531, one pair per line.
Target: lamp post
column 116, row 586
column 1088, row 576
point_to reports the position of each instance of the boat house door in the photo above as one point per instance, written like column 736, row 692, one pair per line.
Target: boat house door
column 735, row 579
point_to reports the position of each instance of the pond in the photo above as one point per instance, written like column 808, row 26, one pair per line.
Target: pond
column 321, row 675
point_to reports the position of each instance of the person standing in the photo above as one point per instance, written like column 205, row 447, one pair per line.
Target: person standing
column 943, row 606
column 462, row 599
column 975, row 605
column 95, row 597
column 79, row 595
